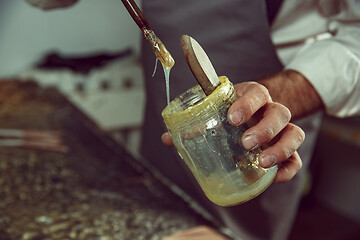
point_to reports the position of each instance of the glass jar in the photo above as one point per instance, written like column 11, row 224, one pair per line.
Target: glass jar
column 211, row 148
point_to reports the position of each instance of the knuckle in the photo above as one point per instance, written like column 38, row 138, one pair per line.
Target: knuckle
column 267, row 134
column 297, row 162
column 299, row 134
column 259, row 87
column 262, row 93
column 289, row 170
column 259, row 91
column 283, row 112
column 257, row 96
column 286, row 152
column 251, row 109
column 241, row 88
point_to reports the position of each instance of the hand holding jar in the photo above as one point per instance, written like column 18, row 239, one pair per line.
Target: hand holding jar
column 209, row 132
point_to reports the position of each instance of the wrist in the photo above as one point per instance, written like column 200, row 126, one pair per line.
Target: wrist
column 293, row 90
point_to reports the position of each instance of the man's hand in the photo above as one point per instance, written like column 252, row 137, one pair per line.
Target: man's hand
column 273, row 131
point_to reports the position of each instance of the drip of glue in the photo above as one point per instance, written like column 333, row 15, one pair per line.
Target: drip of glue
column 162, row 55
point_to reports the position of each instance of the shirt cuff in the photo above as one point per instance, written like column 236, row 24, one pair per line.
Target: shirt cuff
column 334, row 71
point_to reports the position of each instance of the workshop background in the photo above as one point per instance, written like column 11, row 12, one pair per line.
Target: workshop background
column 91, row 54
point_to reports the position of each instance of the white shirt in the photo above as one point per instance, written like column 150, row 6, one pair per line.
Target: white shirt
column 332, row 65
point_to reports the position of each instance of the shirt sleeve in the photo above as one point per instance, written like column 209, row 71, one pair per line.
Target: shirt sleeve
column 333, row 65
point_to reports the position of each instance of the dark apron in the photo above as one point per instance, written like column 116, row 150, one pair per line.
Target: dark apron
column 235, row 35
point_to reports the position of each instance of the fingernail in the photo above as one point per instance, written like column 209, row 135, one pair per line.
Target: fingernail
column 236, row 117
column 268, row 161
column 250, row 142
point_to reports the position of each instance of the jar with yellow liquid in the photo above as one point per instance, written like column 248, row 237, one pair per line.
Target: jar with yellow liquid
column 211, row 148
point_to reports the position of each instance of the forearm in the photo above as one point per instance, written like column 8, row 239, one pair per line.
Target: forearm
column 291, row 89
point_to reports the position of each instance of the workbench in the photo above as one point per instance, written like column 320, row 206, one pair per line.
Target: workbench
column 96, row 190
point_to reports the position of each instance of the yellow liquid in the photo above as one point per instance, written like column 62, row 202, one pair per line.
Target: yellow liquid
column 167, row 83
column 164, row 56
column 230, row 190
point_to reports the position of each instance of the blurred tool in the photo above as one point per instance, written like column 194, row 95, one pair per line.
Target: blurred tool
column 37, row 139
column 199, row 64
column 157, row 46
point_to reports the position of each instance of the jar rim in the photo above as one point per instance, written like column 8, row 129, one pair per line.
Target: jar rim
column 221, row 97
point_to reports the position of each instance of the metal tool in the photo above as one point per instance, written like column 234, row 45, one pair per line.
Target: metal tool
column 199, row 64
column 157, row 46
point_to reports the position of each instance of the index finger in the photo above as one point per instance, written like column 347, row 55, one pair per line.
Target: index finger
column 251, row 97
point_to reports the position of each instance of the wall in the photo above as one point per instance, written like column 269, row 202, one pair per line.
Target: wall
column 90, row 26
column 87, row 28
